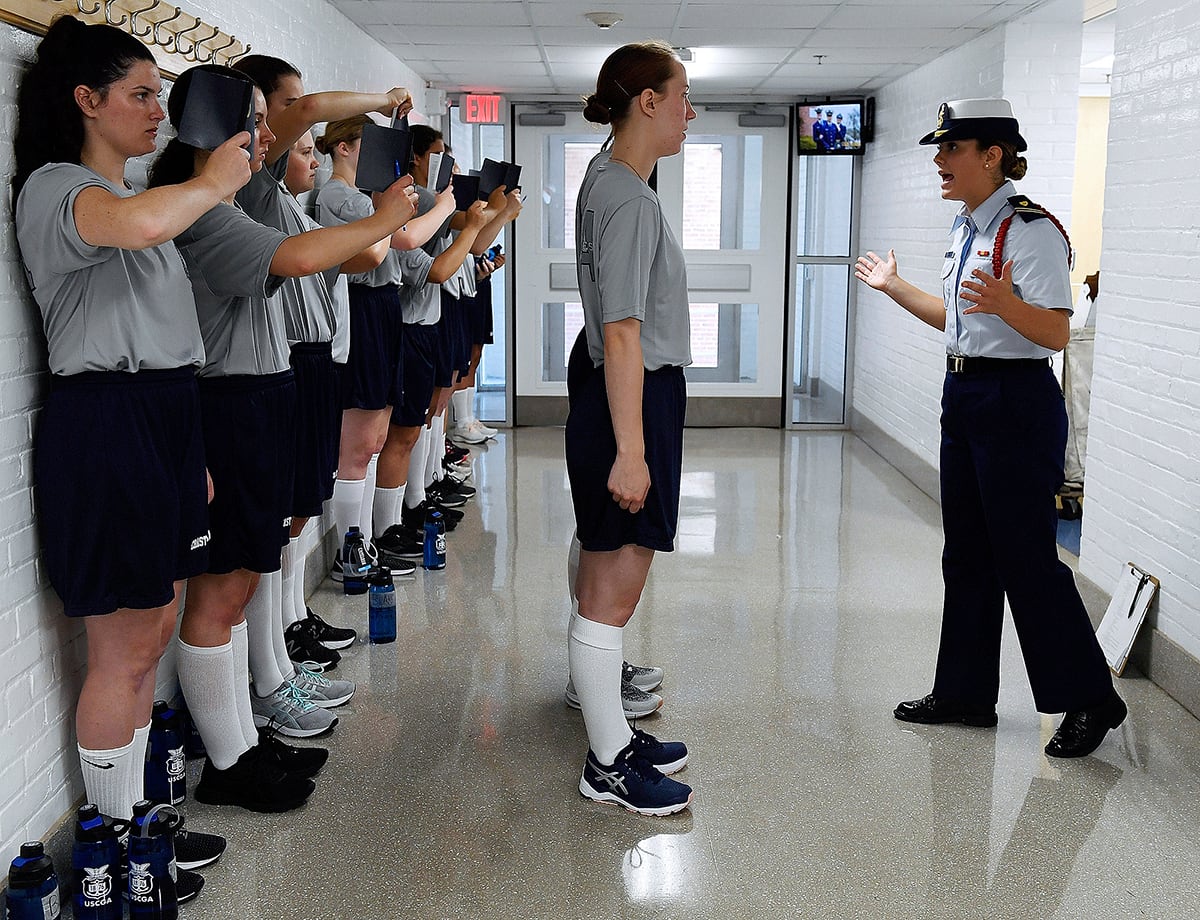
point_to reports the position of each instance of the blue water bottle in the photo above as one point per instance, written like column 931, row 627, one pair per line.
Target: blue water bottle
column 96, row 859
column 32, row 886
column 355, row 564
column 152, row 894
column 382, row 620
column 166, row 768
column 434, row 548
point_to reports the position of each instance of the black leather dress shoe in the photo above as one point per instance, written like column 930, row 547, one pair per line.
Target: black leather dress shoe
column 931, row 711
column 1081, row 732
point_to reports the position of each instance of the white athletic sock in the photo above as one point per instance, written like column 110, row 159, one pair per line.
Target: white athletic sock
column 347, row 505
column 415, row 492
column 573, row 566
column 368, row 500
column 433, row 463
column 241, row 684
column 291, row 566
column 259, row 631
column 137, row 778
column 595, row 653
column 206, row 677
column 107, row 777
column 460, row 402
column 281, row 591
column 470, row 416
column 386, row 502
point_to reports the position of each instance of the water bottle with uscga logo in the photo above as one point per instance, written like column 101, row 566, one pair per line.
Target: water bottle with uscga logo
column 166, row 767
column 152, row 872
column 96, row 859
column 433, row 554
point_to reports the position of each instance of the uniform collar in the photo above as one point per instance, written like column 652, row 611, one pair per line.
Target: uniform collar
column 987, row 212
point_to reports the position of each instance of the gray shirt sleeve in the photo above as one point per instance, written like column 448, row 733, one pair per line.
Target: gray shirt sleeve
column 625, row 246
column 233, row 252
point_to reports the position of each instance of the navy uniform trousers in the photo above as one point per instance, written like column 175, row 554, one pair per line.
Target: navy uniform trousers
column 1003, row 443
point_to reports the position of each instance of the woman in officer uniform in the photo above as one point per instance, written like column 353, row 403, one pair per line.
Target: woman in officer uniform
column 1005, row 308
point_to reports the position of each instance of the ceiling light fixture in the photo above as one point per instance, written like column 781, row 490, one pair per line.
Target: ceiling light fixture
column 685, row 54
column 603, row 20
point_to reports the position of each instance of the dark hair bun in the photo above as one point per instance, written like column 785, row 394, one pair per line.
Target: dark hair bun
column 1019, row 168
column 596, row 111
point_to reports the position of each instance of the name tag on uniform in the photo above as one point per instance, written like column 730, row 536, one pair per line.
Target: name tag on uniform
column 983, row 253
column 948, row 255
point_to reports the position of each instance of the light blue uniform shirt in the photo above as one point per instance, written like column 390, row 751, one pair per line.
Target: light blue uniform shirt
column 1040, row 273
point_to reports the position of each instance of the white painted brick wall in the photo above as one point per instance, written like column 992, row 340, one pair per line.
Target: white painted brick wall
column 1034, row 61
column 42, row 654
column 1143, row 480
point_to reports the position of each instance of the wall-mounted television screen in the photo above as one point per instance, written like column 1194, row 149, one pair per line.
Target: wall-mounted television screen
column 831, row 127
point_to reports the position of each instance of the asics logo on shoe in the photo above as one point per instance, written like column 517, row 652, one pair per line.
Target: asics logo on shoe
column 98, row 766
column 615, row 781
column 201, row 542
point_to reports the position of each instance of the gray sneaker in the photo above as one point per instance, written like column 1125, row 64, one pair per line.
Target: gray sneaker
column 322, row 691
column 642, row 677
column 290, row 712
column 635, row 702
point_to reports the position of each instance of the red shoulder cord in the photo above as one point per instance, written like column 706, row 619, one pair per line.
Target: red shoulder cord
column 998, row 245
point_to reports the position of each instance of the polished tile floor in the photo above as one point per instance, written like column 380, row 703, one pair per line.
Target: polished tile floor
column 802, row 603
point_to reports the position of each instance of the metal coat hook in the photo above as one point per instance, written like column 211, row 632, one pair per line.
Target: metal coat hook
column 194, row 54
column 133, row 17
column 108, row 17
column 168, row 44
column 241, row 54
column 179, row 35
column 87, row 12
column 217, row 50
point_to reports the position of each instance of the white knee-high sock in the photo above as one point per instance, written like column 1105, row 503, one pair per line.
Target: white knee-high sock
column 291, row 567
column 368, row 499
column 108, row 777
column 460, row 403
column 298, row 604
column 347, row 505
column 137, row 778
column 241, row 684
column 437, row 449
column 414, row 493
column 595, row 652
column 280, row 590
column 470, row 411
column 385, row 507
column 573, row 566
column 259, row 629
column 206, row 678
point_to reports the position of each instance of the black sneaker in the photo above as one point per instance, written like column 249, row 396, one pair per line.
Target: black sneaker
column 304, row 647
column 399, row 568
column 414, row 518
column 301, row 762
column 443, row 492
column 332, row 637
column 337, row 574
column 187, row 884
column 399, row 543
column 256, row 782
column 194, row 850
column 634, row 783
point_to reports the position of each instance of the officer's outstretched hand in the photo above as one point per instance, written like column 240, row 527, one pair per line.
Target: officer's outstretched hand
column 875, row 272
column 988, row 293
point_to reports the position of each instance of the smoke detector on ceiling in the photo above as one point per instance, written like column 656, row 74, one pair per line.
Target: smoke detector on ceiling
column 603, row 20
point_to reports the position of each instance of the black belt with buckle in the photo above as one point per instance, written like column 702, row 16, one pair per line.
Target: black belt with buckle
column 963, row 364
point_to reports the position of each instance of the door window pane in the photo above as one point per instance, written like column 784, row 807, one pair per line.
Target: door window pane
column 722, row 192
column 566, row 157
column 819, row 349
column 724, row 343
column 824, row 192
column 561, row 323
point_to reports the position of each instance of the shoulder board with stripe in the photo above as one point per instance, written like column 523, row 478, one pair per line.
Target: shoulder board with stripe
column 1028, row 210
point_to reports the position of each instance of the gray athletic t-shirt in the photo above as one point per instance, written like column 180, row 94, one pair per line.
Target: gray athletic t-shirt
column 337, row 203
column 228, row 257
column 308, row 301
column 104, row 309
column 421, row 302
column 629, row 264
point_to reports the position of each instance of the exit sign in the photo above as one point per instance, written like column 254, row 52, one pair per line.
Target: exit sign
column 482, row 110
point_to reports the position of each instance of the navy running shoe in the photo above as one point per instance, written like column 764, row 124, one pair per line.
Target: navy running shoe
column 665, row 756
column 634, row 783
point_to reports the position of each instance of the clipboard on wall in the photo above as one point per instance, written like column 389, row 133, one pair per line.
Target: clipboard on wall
column 1126, row 612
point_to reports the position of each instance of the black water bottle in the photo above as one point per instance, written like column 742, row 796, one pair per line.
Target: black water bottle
column 166, row 766
column 32, row 886
column 96, row 859
column 152, row 892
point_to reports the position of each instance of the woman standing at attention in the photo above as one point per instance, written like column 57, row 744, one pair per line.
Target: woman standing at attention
column 624, row 437
column 1005, row 308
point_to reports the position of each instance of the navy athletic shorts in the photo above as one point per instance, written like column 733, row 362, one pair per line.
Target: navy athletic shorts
column 318, row 416
column 479, row 313
column 339, row 383
column 250, row 446
column 420, row 355
column 122, row 500
column 445, row 362
column 376, row 347
column 592, row 448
